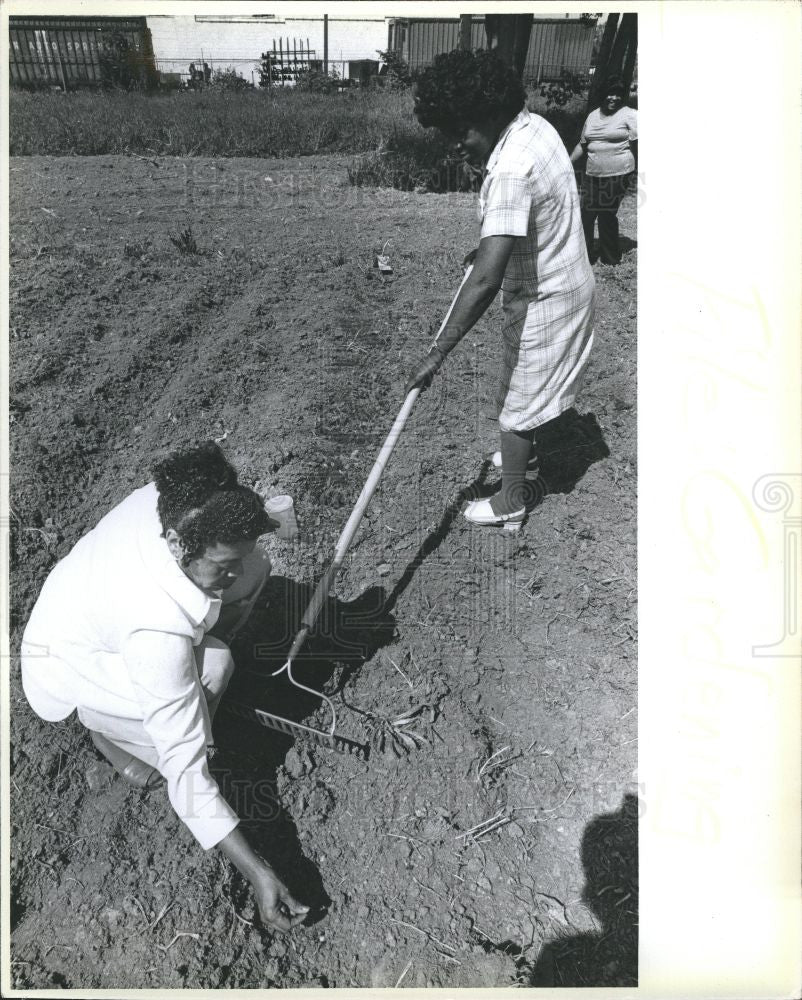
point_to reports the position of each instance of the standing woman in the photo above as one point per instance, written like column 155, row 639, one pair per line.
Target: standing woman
column 610, row 141
column 120, row 632
column 531, row 247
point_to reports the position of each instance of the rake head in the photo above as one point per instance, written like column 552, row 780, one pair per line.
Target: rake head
column 330, row 740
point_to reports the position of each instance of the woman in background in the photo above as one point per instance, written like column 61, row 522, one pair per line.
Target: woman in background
column 609, row 140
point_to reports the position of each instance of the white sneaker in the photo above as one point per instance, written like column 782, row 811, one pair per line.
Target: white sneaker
column 481, row 512
column 531, row 466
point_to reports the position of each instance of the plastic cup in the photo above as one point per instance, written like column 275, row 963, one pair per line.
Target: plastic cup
column 282, row 509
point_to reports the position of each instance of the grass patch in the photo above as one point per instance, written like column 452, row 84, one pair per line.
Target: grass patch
column 208, row 123
column 377, row 126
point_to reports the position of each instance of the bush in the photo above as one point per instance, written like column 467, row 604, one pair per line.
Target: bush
column 413, row 159
column 229, row 79
column 123, row 65
column 558, row 93
column 397, row 74
column 567, row 118
column 315, row 81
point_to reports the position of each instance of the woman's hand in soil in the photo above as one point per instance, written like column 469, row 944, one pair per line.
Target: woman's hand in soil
column 277, row 908
column 425, row 371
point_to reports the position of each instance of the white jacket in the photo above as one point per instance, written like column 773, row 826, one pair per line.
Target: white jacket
column 113, row 631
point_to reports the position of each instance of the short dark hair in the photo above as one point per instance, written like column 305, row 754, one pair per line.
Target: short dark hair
column 463, row 88
column 200, row 498
column 614, row 85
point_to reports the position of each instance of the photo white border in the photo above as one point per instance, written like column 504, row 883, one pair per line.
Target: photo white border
column 719, row 408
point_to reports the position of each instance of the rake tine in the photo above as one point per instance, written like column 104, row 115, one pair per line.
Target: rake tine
column 277, row 722
column 319, row 694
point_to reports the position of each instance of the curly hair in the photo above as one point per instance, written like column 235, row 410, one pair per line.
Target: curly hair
column 462, row 88
column 200, row 498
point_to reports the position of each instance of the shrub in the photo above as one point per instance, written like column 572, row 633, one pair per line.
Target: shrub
column 397, row 74
column 122, row 64
column 315, row 81
column 230, row 79
column 558, row 93
column 185, row 242
column 412, row 158
column 567, row 118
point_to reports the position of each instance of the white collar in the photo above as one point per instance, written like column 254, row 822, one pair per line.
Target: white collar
column 165, row 570
column 518, row 121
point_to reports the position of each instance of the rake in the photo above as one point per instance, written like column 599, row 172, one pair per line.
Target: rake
column 330, row 738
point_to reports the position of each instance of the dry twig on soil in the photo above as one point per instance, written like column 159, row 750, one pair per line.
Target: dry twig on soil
column 409, row 682
column 179, row 934
column 164, row 910
column 407, row 967
column 46, row 864
column 431, row 938
column 486, row 826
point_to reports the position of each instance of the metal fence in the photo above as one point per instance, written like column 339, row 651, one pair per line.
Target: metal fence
column 284, row 65
column 71, row 52
column 556, row 45
column 74, row 52
column 285, row 72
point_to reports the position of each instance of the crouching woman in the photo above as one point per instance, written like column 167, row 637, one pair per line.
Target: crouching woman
column 120, row 633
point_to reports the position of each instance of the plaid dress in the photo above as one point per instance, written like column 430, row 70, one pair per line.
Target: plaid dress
column 530, row 192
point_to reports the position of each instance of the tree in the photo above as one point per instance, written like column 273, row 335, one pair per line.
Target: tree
column 509, row 35
column 617, row 55
column 123, row 63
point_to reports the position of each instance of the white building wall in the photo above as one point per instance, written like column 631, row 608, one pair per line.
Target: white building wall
column 238, row 41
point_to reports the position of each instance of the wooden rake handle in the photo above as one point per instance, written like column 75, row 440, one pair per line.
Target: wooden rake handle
column 352, row 524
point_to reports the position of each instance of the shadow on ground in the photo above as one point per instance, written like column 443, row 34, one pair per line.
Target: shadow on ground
column 625, row 245
column 566, row 447
column 435, row 539
column 609, row 957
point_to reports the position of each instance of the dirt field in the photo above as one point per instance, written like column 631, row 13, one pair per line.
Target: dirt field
column 281, row 338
